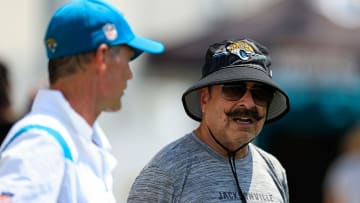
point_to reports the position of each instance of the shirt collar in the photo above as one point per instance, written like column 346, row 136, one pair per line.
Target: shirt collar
column 54, row 103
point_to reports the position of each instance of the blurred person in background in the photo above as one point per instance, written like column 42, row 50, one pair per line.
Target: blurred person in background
column 342, row 181
column 7, row 114
column 217, row 161
column 58, row 152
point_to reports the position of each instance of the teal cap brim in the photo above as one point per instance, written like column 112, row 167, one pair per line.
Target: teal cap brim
column 142, row 44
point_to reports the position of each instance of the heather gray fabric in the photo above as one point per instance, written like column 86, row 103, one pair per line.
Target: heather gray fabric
column 189, row 171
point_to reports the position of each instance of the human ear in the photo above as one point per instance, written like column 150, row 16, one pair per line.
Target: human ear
column 100, row 57
column 101, row 52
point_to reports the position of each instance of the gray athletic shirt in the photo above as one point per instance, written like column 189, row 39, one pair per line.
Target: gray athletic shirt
column 189, row 171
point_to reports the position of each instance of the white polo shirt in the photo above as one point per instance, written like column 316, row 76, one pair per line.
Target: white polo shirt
column 34, row 168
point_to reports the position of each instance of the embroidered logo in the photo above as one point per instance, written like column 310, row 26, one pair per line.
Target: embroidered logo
column 244, row 54
column 51, row 44
column 241, row 49
column 110, row 31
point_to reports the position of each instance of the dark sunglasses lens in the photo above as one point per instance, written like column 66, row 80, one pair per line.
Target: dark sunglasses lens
column 262, row 95
column 233, row 92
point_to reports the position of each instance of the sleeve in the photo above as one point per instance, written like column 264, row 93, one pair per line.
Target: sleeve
column 31, row 169
column 152, row 185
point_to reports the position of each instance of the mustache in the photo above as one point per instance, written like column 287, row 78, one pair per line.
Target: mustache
column 242, row 111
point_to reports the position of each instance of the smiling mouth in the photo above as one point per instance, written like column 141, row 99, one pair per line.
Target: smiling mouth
column 243, row 120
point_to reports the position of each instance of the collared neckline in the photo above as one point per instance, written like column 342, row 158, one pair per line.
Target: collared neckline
column 47, row 99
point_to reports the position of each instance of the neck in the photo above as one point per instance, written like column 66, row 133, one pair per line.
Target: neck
column 80, row 96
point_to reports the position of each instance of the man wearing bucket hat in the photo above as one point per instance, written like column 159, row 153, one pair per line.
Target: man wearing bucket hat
column 58, row 152
column 217, row 162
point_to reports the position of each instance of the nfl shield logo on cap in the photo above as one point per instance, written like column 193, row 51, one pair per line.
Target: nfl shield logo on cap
column 110, row 31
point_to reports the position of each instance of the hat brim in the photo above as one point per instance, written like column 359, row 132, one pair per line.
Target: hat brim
column 141, row 44
column 278, row 107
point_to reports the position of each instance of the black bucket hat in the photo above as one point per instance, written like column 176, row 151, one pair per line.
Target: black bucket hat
column 234, row 61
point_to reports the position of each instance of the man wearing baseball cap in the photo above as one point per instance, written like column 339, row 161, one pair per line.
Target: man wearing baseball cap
column 217, row 162
column 58, row 152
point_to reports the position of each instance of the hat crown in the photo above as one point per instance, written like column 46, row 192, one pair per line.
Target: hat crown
column 82, row 25
column 236, row 52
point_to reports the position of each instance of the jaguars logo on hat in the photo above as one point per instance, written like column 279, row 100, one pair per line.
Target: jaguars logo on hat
column 241, row 49
column 51, row 44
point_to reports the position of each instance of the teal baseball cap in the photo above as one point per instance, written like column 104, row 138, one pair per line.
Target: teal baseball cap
column 80, row 26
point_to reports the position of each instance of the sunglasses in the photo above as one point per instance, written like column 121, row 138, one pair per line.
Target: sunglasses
column 261, row 94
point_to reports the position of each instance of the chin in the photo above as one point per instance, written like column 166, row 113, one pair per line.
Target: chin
column 245, row 135
column 113, row 109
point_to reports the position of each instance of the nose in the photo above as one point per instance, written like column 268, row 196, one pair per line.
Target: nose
column 130, row 73
column 247, row 99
